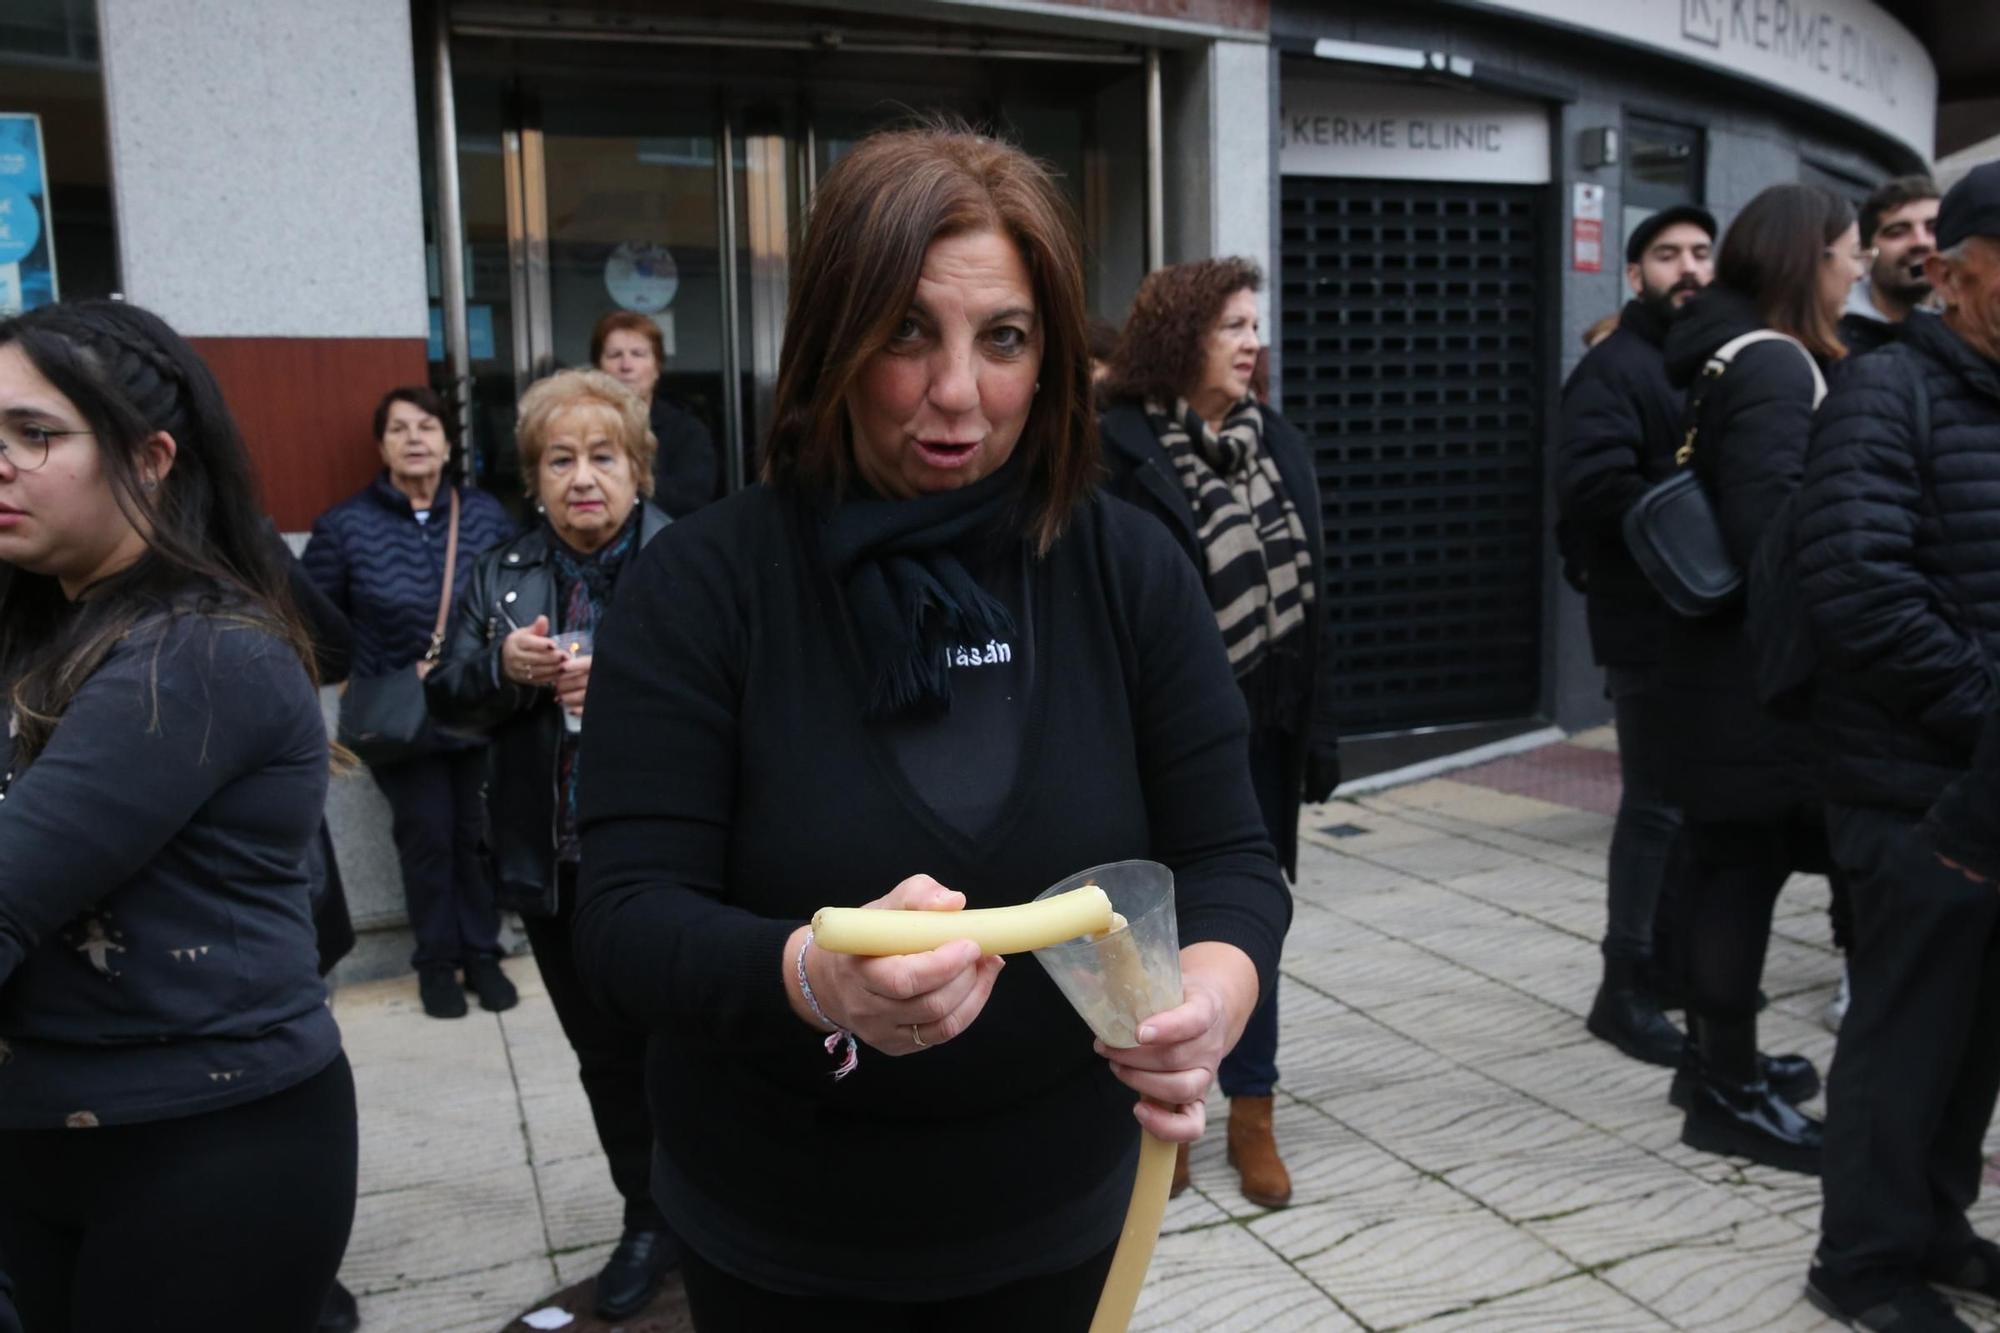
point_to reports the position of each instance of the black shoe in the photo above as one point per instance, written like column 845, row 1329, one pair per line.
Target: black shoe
column 484, row 978
column 341, row 1314
column 1910, row 1308
column 1790, row 1076
column 439, row 991
column 1749, row 1120
column 1976, row 1270
column 1626, row 1015
column 630, row 1279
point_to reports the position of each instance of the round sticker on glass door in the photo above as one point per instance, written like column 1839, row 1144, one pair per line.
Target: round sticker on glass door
column 642, row 276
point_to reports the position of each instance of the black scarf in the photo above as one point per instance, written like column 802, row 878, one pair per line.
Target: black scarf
column 598, row 571
column 901, row 566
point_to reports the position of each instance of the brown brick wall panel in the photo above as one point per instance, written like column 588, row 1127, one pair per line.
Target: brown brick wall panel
column 304, row 406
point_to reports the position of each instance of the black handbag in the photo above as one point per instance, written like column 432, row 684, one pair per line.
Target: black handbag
column 1672, row 530
column 384, row 719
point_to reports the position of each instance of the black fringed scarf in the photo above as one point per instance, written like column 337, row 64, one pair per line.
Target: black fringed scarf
column 902, row 567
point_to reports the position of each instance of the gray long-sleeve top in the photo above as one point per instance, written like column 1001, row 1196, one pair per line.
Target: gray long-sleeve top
column 156, row 938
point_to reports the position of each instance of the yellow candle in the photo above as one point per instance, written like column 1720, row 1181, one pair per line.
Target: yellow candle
column 877, row 932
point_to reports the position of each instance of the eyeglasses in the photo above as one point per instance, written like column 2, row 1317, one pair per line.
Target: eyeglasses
column 25, row 446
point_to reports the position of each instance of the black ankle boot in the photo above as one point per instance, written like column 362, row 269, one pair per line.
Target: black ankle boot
column 632, row 1276
column 1734, row 1112
column 1626, row 1015
column 1790, row 1076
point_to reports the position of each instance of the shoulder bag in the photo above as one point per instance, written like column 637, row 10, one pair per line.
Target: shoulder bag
column 1673, row 531
column 383, row 719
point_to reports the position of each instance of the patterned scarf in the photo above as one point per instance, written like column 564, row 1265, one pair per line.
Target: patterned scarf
column 1259, row 574
column 584, row 584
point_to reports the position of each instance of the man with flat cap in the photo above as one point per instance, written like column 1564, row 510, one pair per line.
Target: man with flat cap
column 1620, row 425
column 1898, row 531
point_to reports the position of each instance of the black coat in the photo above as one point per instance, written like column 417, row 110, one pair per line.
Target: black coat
column 1142, row 474
column 1728, row 758
column 1899, row 556
column 685, row 472
column 1621, row 422
column 469, row 692
column 1863, row 334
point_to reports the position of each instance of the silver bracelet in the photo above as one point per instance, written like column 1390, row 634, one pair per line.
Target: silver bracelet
column 852, row 1058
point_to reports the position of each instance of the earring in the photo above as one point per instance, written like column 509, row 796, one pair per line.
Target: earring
column 151, row 484
column 1038, row 386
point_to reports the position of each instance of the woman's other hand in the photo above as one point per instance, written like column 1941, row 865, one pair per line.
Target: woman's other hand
column 529, row 656
column 904, row 1003
column 572, row 680
column 1178, row 1052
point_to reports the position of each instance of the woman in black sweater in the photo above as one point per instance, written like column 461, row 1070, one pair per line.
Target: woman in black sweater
column 920, row 668
column 177, row 1131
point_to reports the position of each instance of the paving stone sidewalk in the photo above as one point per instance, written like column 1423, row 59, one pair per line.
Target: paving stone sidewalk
column 1465, row 1156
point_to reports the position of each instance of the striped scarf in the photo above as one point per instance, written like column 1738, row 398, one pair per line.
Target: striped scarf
column 1259, row 566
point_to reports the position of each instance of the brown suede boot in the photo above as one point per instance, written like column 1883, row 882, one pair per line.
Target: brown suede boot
column 1254, row 1153
column 1180, row 1172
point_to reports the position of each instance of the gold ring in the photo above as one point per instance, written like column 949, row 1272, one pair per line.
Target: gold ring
column 917, row 1036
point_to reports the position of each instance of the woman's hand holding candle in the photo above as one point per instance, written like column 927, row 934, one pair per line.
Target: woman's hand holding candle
column 938, row 993
column 1175, row 1063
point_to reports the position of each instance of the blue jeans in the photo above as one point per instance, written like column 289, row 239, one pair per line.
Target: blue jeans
column 1251, row 1070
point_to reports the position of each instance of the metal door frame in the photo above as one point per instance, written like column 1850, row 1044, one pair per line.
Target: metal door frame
column 767, row 204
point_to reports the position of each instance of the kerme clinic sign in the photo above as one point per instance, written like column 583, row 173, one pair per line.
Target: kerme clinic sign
column 1392, row 131
column 1847, row 55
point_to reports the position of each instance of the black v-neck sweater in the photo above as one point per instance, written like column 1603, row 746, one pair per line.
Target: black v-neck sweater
column 732, row 788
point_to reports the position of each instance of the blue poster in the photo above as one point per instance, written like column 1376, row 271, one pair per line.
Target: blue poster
column 27, row 245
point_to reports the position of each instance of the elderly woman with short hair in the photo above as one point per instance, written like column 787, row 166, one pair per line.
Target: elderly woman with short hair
column 627, row 346
column 1188, row 441
column 509, row 673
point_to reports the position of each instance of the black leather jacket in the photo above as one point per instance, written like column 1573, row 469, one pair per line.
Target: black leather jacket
column 468, row 693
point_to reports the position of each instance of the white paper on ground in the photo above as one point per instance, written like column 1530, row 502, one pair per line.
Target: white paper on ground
column 549, row 1317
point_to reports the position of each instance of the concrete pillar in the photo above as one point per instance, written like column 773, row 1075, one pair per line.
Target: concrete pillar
column 1219, row 153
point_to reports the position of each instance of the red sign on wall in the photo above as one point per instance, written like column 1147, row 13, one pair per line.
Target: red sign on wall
column 1586, row 245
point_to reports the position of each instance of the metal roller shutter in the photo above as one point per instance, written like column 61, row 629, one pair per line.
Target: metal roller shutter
column 1412, row 360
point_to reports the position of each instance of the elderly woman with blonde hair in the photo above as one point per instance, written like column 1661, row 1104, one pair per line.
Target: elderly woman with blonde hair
column 518, row 670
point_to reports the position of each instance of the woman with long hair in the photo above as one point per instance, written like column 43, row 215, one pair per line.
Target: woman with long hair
column 922, row 667
column 1742, row 776
column 177, row 1131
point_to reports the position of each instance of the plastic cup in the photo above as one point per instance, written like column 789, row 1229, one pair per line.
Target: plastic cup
column 1117, row 982
column 575, row 643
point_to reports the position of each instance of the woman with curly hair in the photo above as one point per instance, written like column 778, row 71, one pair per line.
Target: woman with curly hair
column 1187, row 440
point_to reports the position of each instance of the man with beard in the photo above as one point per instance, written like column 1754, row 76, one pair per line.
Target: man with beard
column 1621, row 424
column 1899, row 221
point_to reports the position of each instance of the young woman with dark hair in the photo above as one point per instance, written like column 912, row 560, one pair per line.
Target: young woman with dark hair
column 379, row 557
column 1743, row 777
column 177, row 1131
column 921, row 668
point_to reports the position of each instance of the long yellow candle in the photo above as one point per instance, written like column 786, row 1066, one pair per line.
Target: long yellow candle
column 877, row 932
column 1140, row 1234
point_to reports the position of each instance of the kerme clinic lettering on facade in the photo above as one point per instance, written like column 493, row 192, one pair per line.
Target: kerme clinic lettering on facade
column 1387, row 131
column 1848, row 55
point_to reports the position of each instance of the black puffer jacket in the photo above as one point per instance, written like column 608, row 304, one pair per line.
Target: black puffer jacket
column 1621, row 420
column 1730, row 760
column 1899, row 556
column 468, row 692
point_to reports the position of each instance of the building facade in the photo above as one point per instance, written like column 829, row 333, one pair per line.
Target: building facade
column 1439, row 191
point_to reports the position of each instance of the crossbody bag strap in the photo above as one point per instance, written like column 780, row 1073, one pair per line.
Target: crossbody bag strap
column 450, row 577
column 1719, row 361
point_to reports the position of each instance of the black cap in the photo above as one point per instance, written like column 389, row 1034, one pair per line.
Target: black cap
column 1971, row 207
column 1643, row 235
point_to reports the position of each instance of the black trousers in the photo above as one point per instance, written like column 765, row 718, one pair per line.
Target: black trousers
column 1643, row 899
column 1735, row 871
column 234, row 1219
column 610, row 1058
column 1059, row 1303
column 1917, row 1069
column 439, row 819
